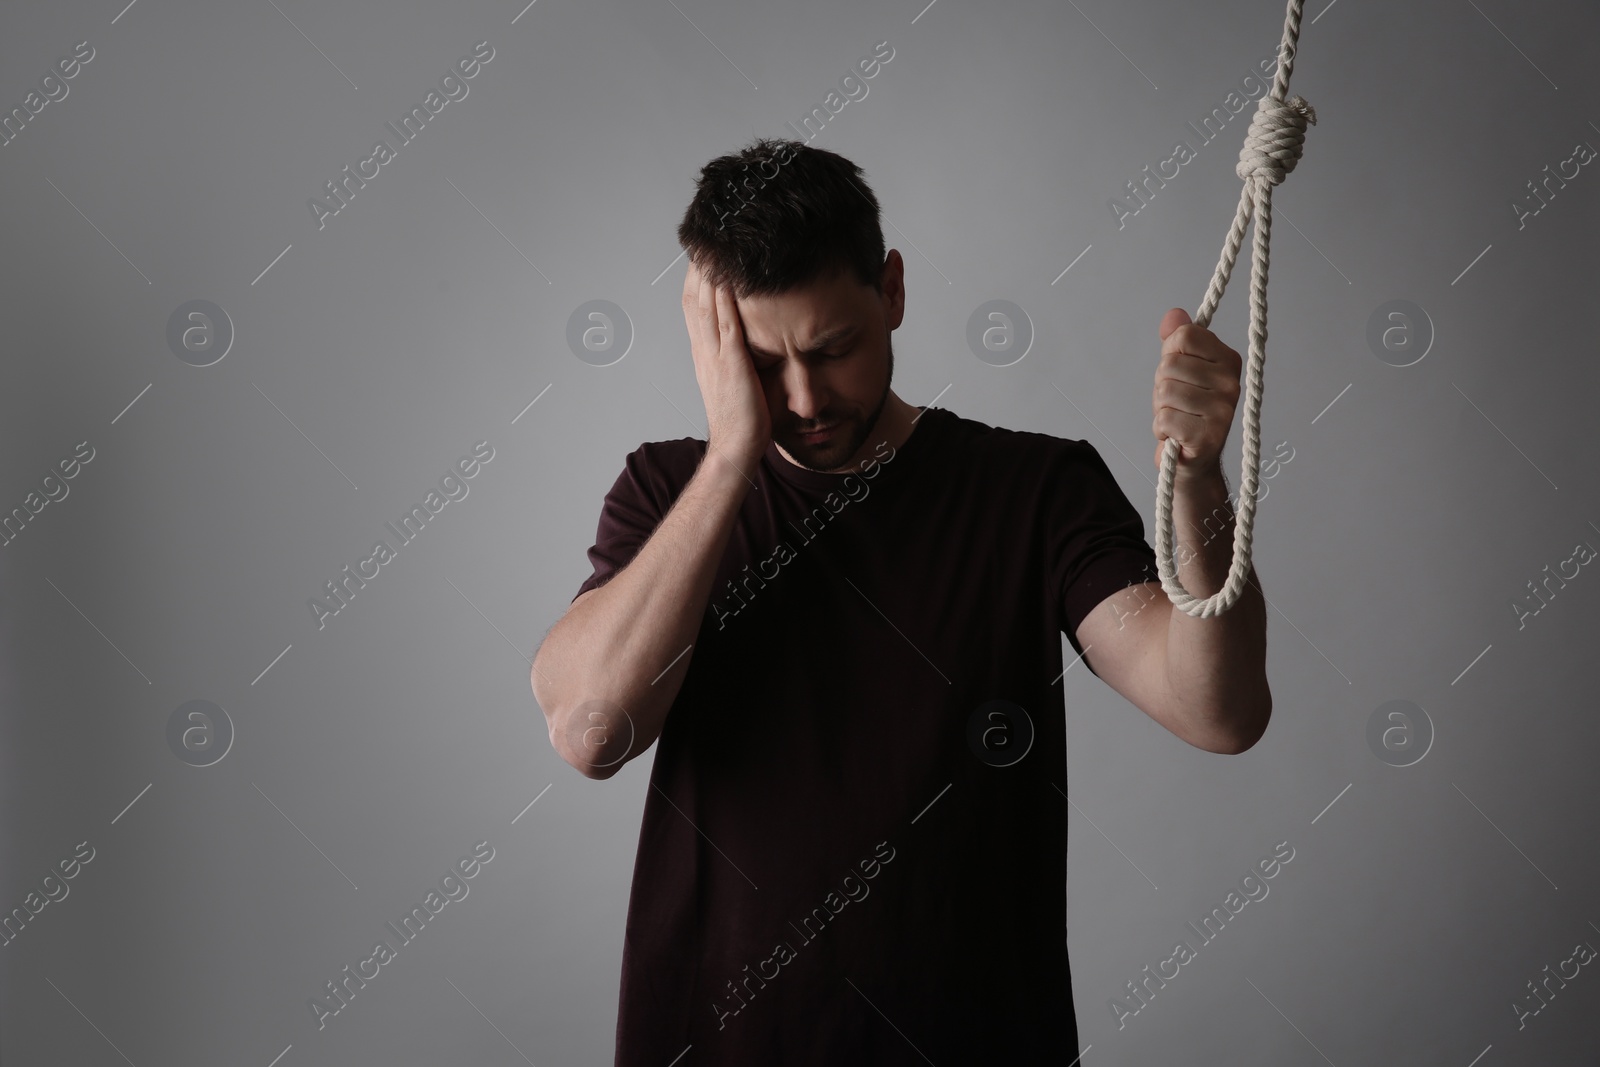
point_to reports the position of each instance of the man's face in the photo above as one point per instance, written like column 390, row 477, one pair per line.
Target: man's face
column 825, row 359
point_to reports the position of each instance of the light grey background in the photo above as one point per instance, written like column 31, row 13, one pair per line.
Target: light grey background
column 372, row 754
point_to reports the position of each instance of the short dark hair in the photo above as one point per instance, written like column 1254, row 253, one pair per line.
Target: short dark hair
column 780, row 214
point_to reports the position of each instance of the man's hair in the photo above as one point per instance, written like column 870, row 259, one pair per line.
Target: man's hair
column 780, row 214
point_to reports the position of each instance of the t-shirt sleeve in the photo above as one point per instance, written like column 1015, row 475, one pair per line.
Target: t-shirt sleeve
column 1097, row 543
column 629, row 515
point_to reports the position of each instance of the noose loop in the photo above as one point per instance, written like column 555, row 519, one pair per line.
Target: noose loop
column 1271, row 149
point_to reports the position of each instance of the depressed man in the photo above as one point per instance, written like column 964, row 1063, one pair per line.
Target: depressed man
column 839, row 620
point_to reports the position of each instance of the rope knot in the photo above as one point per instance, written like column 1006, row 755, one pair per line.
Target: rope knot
column 1272, row 144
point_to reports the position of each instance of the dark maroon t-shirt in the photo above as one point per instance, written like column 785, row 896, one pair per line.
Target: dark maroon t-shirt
column 854, row 846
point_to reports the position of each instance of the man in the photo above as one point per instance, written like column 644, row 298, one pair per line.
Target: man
column 847, row 645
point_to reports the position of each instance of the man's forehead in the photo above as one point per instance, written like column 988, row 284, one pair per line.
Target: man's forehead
column 822, row 335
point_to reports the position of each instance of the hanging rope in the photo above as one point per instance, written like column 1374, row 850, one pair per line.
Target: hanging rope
column 1271, row 150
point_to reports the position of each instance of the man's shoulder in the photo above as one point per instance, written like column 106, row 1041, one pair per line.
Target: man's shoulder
column 673, row 453
column 668, row 458
column 663, row 468
column 988, row 445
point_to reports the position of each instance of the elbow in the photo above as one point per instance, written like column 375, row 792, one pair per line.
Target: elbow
column 1229, row 731
column 574, row 752
column 1242, row 743
column 595, row 737
column 597, row 772
column 591, row 739
column 554, row 723
column 1251, row 730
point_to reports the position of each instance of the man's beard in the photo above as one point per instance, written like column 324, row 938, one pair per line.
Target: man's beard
column 834, row 453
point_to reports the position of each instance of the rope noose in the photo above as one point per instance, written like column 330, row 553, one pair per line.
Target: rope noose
column 1271, row 150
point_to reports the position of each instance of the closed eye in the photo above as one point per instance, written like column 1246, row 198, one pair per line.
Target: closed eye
column 832, row 357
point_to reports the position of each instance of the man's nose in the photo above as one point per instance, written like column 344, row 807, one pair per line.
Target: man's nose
column 804, row 394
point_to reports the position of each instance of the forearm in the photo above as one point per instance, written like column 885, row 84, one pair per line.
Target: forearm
column 1216, row 666
column 613, row 648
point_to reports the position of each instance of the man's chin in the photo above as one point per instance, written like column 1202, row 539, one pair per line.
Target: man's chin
column 821, row 457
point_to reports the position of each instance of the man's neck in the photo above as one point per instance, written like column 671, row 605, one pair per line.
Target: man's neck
column 895, row 425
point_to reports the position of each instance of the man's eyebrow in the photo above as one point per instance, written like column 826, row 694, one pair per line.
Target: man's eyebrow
column 827, row 340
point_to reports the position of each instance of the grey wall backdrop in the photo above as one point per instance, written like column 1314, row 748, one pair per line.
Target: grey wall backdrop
column 191, row 875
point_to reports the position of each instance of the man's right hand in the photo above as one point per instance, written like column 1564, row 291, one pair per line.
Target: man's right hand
column 740, row 426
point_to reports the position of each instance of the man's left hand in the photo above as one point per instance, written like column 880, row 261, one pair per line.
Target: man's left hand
column 1195, row 395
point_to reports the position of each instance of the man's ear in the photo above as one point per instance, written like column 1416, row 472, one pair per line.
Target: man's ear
column 892, row 280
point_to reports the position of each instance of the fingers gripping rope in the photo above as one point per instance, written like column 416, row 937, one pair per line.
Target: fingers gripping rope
column 1271, row 150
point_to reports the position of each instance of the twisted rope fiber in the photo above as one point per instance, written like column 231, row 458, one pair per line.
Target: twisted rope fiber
column 1271, row 149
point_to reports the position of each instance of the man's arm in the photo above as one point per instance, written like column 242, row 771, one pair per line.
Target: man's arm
column 607, row 673
column 612, row 648
column 1203, row 679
